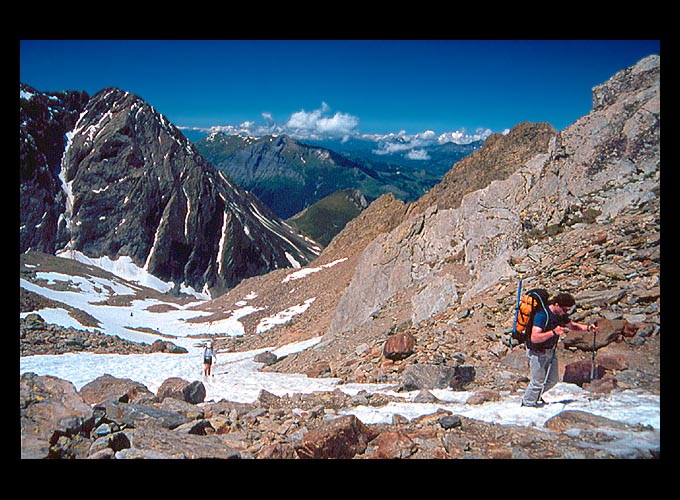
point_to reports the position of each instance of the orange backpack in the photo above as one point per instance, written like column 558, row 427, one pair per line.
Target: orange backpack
column 526, row 308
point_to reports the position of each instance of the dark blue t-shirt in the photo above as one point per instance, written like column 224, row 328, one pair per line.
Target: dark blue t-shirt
column 540, row 321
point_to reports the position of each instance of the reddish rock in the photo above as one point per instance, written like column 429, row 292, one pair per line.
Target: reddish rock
column 395, row 444
column 399, row 346
column 318, row 369
column 343, row 437
column 578, row 372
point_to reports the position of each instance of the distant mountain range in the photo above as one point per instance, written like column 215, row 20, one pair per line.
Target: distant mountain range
column 289, row 175
column 401, row 153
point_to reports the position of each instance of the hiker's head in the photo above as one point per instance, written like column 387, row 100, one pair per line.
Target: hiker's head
column 564, row 300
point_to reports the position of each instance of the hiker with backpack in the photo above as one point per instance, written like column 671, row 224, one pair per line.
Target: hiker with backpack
column 549, row 323
column 208, row 357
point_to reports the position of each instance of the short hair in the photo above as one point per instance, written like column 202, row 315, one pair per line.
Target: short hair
column 563, row 299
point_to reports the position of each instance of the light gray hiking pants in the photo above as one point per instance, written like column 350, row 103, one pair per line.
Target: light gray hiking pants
column 539, row 363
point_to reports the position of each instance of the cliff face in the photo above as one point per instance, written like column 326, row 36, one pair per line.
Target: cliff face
column 44, row 120
column 129, row 184
column 605, row 163
column 500, row 157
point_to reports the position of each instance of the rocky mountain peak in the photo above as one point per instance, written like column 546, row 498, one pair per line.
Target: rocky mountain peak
column 135, row 187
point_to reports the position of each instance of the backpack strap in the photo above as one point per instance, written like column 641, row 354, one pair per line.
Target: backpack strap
column 538, row 295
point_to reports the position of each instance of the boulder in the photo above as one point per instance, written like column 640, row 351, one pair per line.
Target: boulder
column 612, row 361
column 419, row 376
column 49, row 408
column 189, row 410
column 482, row 396
column 319, row 369
column 578, row 372
column 135, row 415
column 462, row 376
column 156, row 442
column 343, row 437
column 178, row 388
column 167, row 346
column 266, row 357
column 576, row 419
column 194, row 393
column 450, row 421
column 395, row 444
column 609, row 331
column 122, row 390
column 399, row 346
column 198, row 427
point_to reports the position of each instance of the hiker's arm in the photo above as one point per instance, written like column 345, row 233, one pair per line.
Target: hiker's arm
column 538, row 335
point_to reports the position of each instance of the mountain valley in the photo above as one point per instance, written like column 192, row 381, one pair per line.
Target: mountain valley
column 576, row 210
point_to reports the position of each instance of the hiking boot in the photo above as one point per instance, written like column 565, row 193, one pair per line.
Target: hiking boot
column 538, row 404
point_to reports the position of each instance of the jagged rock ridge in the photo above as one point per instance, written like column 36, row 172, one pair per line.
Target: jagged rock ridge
column 603, row 163
column 136, row 187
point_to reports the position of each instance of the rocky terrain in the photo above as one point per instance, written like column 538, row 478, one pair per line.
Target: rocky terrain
column 120, row 418
column 421, row 296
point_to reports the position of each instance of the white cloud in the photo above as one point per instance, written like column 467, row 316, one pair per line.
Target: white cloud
column 462, row 136
column 317, row 123
column 418, row 154
column 322, row 124
column 401, row 141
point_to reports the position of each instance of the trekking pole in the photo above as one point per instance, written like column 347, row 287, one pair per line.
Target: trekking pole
column 519, row 297
column 592, row 361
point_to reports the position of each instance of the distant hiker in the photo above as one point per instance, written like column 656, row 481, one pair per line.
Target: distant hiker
column 548, row 326
column 208, row 357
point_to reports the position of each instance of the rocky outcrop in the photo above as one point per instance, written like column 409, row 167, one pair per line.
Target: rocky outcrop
column 38, row 337
column 50, row 409
column 500, row 156
column 605, row 163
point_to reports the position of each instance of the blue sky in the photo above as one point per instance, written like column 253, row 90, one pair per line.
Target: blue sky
column 342, row 86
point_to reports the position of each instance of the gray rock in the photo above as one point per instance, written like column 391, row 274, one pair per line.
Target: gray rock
column 49, row 407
